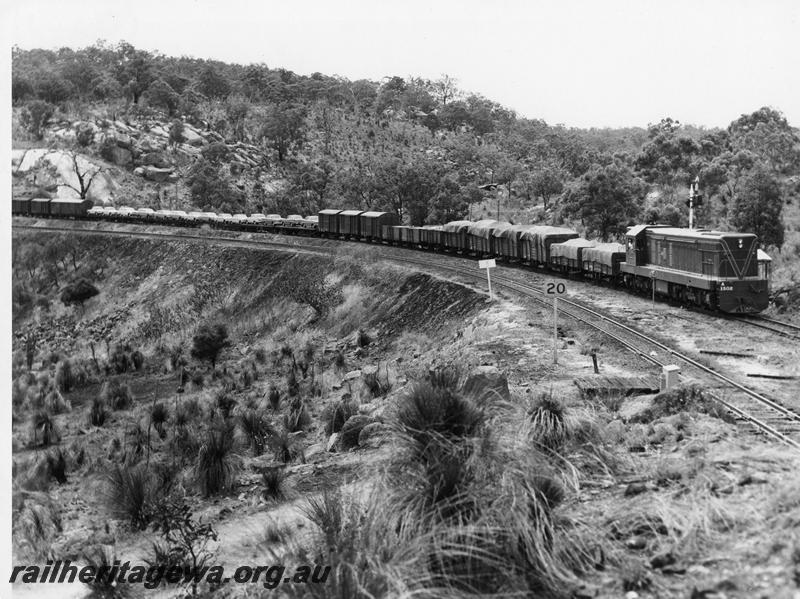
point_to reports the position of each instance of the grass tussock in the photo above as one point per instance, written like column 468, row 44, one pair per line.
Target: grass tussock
column 43, row 429
column 457, row 512
column 549, row 429
column 297, row 418
column 36, row 525
column 336, row 414
column 257, row 430
column 98, row 412
column 273, row 479
column 116, row 395
column 217, row 461
column 130, row 494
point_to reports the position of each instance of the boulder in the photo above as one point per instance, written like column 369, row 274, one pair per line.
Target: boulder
column 193, row 137
column 139, row 170
column 148, row 144
column 159, row 175
column 372, row 435
column 349, row 435
column 123, row 140
column 156, row 159
column 121, row 156
column 487, row 383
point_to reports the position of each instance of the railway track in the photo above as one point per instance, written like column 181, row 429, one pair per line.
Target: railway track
column 764, row 413
column 750, row 406
column 784, row 329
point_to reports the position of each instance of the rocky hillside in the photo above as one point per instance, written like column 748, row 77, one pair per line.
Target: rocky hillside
column 133, row 159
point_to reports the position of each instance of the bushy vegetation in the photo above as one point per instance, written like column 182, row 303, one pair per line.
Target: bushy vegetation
column 217, row 462
column 116, row 394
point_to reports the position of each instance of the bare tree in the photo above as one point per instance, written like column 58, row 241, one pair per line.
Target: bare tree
column 85, row 177
column 445, row 89
column 84, row 174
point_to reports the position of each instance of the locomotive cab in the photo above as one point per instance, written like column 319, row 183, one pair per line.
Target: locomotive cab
column 765, row 268
column 636, row 244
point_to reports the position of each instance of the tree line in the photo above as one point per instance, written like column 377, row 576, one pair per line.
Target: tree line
column 422, row 148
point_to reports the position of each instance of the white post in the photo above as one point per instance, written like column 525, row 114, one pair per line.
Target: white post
column 555, row 329
column 488, row 265
column 653, row 285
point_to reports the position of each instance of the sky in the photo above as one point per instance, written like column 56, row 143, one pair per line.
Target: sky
column 578, row 62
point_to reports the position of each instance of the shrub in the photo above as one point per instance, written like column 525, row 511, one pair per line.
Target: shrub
column 130, row 494
column 216, row 462
column 297, row 418
column 209, row 341
column 78, row 292
column 116, row 395
column 185, row 443
column 137, row 359
column 273, row 478
column 335, row 415
column 274, row 396
column 197, row 379
column 282, row 446
column 158, row 416
column 430, row 409
column 43, row 429
column 548, row 421
column 57, row 465
column 225, row 404
column 119, row 361
column 257, row 429
column 292, row 387
column 105, row 584
column 55, row 402
column 63, row 378
column 260, row 355
column 339, row 360
column 36, row 524
column 187, row 538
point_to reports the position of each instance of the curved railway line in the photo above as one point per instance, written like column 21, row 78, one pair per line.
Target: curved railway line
column 779, row 327
column 763, row 413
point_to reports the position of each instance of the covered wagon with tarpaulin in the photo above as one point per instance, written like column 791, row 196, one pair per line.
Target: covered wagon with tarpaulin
column 603, row 260
column 567, row 255
column 537, row 239
column 479, row 237
column 497, row 239
column 454, row 235
column 372, row 223
column 507, row 242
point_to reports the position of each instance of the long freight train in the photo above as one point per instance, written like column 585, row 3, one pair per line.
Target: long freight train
column 712, row 269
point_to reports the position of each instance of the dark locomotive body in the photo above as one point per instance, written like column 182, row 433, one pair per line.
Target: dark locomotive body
column 711, row 269
column 706, row 268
